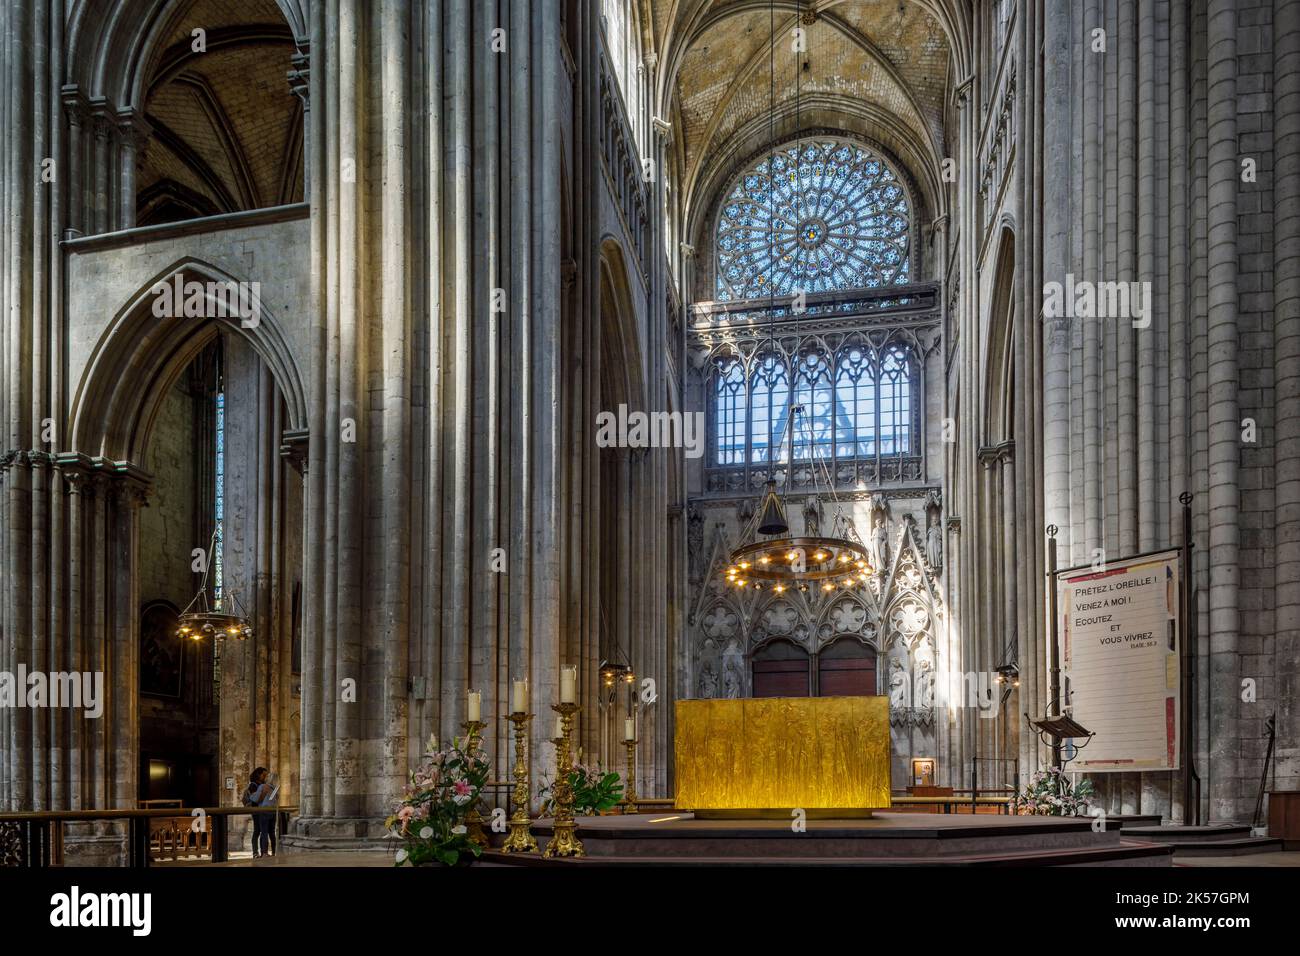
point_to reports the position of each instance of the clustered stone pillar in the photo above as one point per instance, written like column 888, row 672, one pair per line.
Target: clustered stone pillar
column 1286, row 377
column 441, row 493
column 1158, row 408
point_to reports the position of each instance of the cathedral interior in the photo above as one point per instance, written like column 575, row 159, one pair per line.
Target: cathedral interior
column 364, row 360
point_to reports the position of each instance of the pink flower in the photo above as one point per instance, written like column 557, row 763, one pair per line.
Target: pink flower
column 462, row 788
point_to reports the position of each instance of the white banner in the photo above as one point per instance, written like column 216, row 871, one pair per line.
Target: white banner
column 1120, row 634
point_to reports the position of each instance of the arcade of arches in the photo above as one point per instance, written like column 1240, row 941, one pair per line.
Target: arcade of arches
column 822, row 229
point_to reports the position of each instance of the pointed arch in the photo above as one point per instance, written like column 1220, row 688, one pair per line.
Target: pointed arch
column 620, row 341
column 999, row 354
column 140, row 355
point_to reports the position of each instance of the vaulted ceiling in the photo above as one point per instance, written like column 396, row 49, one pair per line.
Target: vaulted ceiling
column 881, row 69
column 225, row 130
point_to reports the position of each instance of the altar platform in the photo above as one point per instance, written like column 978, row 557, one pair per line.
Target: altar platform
column 886, row 839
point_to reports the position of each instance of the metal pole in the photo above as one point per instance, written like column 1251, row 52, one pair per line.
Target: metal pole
column 1053, row 649
column 1270, row 728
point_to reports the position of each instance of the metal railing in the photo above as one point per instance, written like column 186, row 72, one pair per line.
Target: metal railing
column 37, row 838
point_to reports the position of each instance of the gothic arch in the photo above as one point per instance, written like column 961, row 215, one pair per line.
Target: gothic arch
column 139, row 355
column 1000, row 358
column 848, row 615
column 620, row 341
column 112, row 44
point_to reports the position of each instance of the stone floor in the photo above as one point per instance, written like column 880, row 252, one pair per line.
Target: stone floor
column 1277, row 858
column 326, row 858
column 360, row 858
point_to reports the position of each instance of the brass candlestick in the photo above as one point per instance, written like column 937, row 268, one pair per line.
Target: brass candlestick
column 521, row 839
column 565, row 842
column 629, row 789
column 474, row 822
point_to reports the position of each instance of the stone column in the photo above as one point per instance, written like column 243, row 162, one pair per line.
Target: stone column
column 1012, row 572
column 132, row 135
column 103, row 127
column 1223, row 785
column 1286, row 377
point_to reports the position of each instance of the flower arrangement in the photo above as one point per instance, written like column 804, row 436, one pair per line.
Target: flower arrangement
column 430, row 815
column 594, row 791
column 1050, row 793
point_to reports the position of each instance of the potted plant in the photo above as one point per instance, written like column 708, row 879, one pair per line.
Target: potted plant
column 594, row 791
column 1050, row 793
column 430, row 815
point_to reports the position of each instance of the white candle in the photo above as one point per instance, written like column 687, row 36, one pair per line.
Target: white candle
column 475, row 706
column 519, row 698
column 568, row 685
column 629, row 728
column 559, row 728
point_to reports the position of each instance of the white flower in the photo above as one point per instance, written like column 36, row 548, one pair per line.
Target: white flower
column 426, row 833
column 460, row 799
column 459, row 830
column 401, row 855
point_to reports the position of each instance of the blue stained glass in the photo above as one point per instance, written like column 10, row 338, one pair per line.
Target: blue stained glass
column 814, row 217
column 730, row 414
column 219, row 504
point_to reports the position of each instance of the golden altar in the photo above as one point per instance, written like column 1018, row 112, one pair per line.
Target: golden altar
column 764, row 756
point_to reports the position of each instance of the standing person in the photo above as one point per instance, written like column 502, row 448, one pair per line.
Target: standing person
column 270, row 798
column 258, row 791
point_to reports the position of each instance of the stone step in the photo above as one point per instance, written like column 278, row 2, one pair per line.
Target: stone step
column 1228, row 847
column 1125, row 854
column 1178, row 833
column 1135, row 819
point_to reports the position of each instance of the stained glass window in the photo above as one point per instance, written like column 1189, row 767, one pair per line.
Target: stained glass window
column 855, row 403
column 219, row 504
column 729, row 413
column 895, row 404
column 813, row 392
column 769, row 404
column 817, row 216
column 855, row 394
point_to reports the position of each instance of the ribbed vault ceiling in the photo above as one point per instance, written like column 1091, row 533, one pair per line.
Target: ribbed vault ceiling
column 885, row 57
column 226, row 130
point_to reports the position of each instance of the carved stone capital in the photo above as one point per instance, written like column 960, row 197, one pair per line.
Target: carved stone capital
column 300, row 76
column 963, row 90
column 294, row 448
column 133, row 130
column 75, row 104
column 102, row 121
column 129, row 492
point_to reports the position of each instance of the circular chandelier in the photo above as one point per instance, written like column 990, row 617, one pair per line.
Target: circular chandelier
column 200, row 619
column 770, row 558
